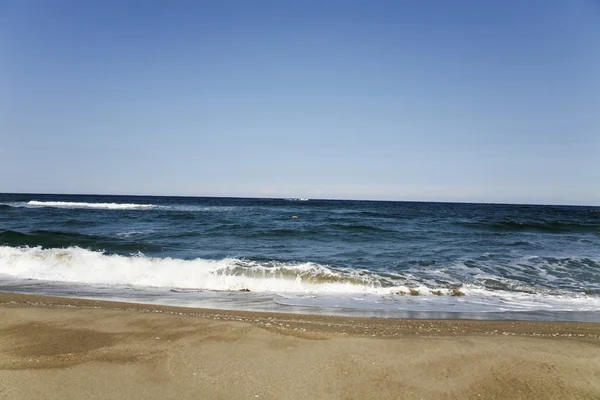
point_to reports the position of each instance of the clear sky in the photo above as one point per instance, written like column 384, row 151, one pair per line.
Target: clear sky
column 495, row 101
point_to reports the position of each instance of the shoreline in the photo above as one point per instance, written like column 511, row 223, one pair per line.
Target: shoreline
column 359, row 326
column 65, row 348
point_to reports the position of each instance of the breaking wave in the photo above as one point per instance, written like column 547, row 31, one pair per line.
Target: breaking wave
column 114, row 206
column 286, row 280
column 104, row 206
column 75, row 264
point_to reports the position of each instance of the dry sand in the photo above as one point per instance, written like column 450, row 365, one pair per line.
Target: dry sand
column 53, row 348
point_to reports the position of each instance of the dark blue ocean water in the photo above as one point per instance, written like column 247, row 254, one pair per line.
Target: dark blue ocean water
column 387, row 259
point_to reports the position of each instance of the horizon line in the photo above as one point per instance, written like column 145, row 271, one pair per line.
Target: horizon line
column 294, row 197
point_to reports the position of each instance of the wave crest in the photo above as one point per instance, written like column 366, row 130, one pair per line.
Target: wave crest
column 75, row 264
column 105, row 206
column 290, row 280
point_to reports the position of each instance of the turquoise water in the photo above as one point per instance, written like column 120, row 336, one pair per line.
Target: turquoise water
column 385, row 259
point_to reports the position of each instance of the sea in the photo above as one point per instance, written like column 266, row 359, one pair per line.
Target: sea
column 384, row 259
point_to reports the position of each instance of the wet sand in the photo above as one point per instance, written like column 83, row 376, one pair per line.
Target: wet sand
column 57, row 348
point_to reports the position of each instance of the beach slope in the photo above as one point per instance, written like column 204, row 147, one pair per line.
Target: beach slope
column 53, row 348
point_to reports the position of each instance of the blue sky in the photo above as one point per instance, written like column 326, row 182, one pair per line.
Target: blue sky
column 494, row 101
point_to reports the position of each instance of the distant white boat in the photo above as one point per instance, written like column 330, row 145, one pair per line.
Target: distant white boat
column 303, row 199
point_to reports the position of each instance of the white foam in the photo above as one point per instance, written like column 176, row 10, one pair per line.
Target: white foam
column 134, row 233
column 320, row 282
column 106, row 206
column 85, row 266
column 119, row 206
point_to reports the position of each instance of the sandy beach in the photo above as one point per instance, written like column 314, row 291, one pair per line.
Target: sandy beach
column 58, row 348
